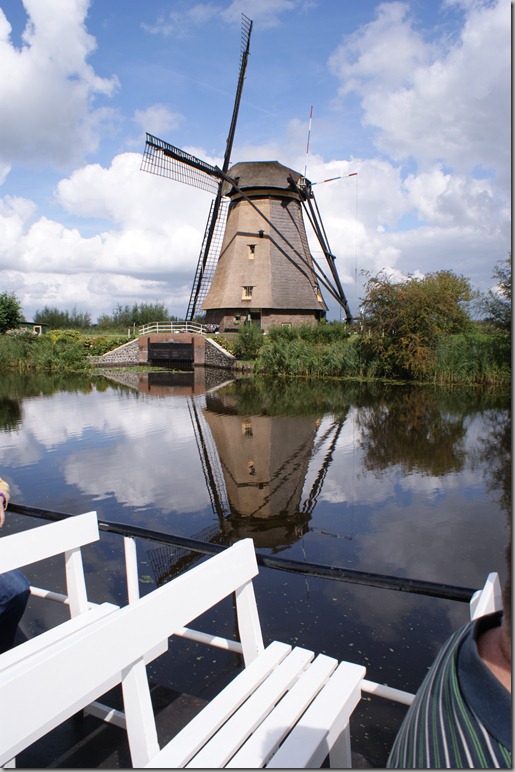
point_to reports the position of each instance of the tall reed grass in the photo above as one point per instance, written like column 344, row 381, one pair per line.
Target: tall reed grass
column 457, row 359
column 58, row 351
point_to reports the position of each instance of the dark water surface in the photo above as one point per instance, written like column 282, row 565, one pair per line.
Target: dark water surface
column 405, row 481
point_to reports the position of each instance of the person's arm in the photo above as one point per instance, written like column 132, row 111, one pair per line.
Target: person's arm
column 5, row 493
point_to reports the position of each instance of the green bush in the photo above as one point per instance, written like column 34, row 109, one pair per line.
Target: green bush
column 58, row 350
column 248, row 342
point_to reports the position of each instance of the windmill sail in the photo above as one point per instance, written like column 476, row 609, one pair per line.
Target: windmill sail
column 260, row 268
column 311, row 208
column 246, row 31
column 213, row 236
column 168, row 161
column 209, row 254
column 165, row 160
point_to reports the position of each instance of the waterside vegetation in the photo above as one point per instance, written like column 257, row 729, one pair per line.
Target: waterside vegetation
column 416, row 330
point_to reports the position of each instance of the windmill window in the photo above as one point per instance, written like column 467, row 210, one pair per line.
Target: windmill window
column 252, row 251
column 247, row 293
column 246, row 429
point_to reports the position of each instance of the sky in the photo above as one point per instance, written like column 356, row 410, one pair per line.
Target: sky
column 412, row 97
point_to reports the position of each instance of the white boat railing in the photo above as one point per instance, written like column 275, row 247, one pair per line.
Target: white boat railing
column 483, row 601
column 167, row 327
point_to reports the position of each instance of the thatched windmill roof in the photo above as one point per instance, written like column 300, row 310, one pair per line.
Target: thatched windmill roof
column 261, row 175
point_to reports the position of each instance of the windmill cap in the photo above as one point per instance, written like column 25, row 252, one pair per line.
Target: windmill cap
column 261, row 174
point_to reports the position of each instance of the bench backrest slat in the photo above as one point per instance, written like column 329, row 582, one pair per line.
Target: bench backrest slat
column 55, row 684
column 26, row 547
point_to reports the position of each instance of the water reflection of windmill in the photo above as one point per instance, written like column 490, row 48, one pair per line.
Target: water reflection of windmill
column 255, row 468
column 254, row 263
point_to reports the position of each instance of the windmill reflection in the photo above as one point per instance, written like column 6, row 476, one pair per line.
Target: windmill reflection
column 255, row 467
column 264, row 461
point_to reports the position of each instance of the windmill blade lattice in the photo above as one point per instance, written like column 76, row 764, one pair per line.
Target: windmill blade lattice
column 165, row 160
column 284, row 281
column 246, row 31
column 209, row 254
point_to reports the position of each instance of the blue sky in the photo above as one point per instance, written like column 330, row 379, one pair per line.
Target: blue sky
column 414, row 96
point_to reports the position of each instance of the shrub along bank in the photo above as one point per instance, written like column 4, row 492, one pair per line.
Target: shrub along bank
column 57, row 350
column 469, row 358
column 325, row 351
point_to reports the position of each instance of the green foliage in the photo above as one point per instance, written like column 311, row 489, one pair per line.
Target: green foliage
column 64, row 337
column 27, row 352
column 311, row 333
column 143, row 313
column 301, row 357
column 404, row 322
column 96, row 345
column 248, row 342
column 56, row 351
column 496, row 305
column 10, row 312
column 56, row 319
column 473, row 358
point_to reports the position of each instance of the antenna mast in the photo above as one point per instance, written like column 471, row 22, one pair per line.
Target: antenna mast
column 307, row 145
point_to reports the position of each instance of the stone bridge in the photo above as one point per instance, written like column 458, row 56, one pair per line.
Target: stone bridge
column 206, row 351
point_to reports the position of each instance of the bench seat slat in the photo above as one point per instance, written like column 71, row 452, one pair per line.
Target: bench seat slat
column 58, row 633
column 190, row 740
column 217, row 752
column 264, row 742
column 311, row 738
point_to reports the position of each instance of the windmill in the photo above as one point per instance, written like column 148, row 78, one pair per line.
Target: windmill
column 254, row 264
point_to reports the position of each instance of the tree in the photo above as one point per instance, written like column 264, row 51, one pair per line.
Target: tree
column 405, row 320
column 144, row 313
column 63, row 320
column 496, row 304
column 10, row 312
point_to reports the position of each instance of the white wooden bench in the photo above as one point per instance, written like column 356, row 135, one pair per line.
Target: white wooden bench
column 64, row 537
column 488, row 599
column 286, row 708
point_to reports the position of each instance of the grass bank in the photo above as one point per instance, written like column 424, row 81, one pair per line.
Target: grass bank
column 331, row 351
column 55, row 351
column 323, row 351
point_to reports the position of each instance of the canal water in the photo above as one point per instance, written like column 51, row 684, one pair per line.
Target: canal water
column 391, row 479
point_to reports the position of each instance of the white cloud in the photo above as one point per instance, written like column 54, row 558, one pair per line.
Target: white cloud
column 158, row 120
column 47, row 83
column 178, row 23
column 446, row 199
column 447, row 103
column 146, row 251
column 381, row 54
column 113, row 232
column 264, row 13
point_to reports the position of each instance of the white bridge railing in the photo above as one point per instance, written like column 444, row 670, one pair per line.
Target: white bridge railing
column 154, row 327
